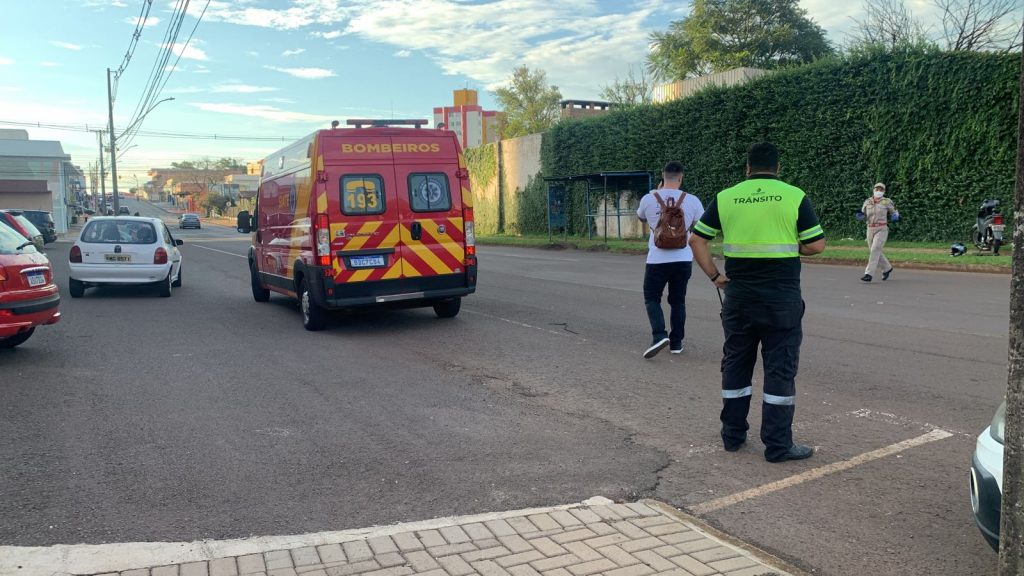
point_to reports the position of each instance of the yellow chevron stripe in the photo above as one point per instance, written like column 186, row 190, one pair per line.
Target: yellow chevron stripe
column 391, row 240
column 410, row 271
column 467, row 197
column 361, row 275
column 430, row 258
column 321, row 203
column 458, row 223
column 455, row 249
column 357, row 241
column 395, row 271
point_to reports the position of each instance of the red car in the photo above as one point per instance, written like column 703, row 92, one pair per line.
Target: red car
column 28, row 296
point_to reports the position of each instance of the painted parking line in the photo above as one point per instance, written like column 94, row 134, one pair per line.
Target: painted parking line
column 726, row 501
column 221, row 251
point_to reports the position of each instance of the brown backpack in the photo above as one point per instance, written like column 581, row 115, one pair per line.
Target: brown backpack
column 671, row 232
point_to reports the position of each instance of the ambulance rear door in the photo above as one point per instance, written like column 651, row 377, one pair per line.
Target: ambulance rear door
column 364, row 206
column 430, row 204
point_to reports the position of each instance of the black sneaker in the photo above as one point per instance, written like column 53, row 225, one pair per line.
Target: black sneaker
column 676, row 348
column 658, row 346
column 866, row 278
column 885, row 275
column 796, row 452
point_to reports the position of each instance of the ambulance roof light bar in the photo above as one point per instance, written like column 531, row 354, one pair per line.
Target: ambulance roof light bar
column 382, row 123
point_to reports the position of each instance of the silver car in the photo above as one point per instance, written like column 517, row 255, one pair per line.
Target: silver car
column 124, row 250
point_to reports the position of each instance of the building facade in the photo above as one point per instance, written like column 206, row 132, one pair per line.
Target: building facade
column 38, row 175
column 473, row 125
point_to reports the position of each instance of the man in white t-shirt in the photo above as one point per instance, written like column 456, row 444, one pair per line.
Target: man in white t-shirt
column 671, row 267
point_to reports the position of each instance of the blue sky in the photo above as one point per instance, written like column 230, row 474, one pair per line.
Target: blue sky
column 283, row 68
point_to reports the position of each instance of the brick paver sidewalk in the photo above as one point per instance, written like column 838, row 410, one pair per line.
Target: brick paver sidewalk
column 582, row 540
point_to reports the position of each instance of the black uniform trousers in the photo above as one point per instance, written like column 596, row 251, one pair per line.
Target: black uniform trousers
column 776, row 327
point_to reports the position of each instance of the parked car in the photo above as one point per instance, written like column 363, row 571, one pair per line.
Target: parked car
column 124, row 251
column 17, row 221
column 189, row 221
column 987, row 478
column 28, row 295
column 43, row 220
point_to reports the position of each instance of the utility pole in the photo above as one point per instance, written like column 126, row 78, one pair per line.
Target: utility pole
column 1011, row 529
column 113, row 148
column 102, row 206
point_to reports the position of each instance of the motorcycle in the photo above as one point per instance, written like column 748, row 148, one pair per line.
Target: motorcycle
column 987, row 233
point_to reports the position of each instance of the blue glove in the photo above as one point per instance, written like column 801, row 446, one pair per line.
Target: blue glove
column 859, row 215
column 895, row 216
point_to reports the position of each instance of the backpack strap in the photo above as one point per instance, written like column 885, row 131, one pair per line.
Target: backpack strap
column 671, row 202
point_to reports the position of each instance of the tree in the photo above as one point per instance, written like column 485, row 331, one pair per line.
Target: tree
column 630, row 91
column 889, row 24
column 530, row 104
column 722, row 34
column 1011, row 529
column 981, row 24
column 215, row 200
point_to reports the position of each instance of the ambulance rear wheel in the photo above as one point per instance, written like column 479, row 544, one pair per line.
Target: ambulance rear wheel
column 448, row 308
column 313, row 316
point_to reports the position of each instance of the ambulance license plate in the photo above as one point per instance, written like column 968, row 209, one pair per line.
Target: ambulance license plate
column 366, row 261
column 36, row 279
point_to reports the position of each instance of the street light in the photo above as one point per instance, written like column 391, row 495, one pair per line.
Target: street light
column 144, row 114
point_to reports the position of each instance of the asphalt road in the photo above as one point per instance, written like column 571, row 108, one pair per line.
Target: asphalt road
column 208, row 415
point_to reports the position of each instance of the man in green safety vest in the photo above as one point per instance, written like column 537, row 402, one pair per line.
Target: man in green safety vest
column 766, row 226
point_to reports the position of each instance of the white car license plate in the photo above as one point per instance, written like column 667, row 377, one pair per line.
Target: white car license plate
column 366, row 261
column 118, row 257
column 998, row 227
column 36, row 279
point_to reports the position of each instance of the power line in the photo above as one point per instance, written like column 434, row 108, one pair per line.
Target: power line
column 149, row 133
column 140, row 25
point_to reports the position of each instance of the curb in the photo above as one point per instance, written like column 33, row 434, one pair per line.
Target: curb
column 974, row 268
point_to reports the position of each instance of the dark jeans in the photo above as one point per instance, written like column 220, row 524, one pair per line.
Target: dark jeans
column 676, row 275
column 775, row 326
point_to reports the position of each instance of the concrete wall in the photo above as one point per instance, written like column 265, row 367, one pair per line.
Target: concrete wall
column 519, row 162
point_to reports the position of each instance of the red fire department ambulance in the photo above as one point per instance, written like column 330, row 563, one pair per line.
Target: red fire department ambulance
column 378, row 214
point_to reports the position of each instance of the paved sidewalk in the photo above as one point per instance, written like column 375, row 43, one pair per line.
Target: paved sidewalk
column 596, row 537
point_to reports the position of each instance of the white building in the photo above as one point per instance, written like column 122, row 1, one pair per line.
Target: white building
column 37, row 175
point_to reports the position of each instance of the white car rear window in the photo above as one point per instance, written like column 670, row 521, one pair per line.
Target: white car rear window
column 119, row 232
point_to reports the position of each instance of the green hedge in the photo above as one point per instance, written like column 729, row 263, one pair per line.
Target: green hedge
column 940, row 129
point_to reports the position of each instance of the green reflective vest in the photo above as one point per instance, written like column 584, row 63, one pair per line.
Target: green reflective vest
column 759, row 219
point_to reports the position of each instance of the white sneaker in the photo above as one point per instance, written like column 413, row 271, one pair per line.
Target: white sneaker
column 678, row 350
column 655, row 348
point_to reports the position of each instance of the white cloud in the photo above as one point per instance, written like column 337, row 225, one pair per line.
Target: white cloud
column 252, row 53
column 278, row 100
column 262, row 111
column 403, row 54
column 308, row 73
column 49, row 64
column 330, row 35
column 134, row 21
column 241, row 89
column 5, row 61
column 189, row 52
column 118, row 4
column 295, row 52
column 66, row 45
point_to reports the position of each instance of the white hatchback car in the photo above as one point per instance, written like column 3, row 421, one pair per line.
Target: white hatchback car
column 124, row 250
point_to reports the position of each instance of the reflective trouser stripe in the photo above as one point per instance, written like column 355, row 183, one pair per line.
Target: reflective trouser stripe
column 779, row 400
column 738, row 393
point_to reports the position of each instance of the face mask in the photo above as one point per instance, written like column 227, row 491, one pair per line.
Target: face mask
column 879, row 194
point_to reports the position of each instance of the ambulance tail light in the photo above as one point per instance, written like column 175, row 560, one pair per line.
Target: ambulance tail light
column 323, row 240
column 997, row 219
column 467, row 215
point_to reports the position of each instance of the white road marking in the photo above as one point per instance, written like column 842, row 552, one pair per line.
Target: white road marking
column 726, row 501
column 215, row 250
column 100, row 558
column 525, row 325
column 524, row 257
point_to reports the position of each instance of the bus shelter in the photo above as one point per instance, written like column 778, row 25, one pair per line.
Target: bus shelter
column 602, row 198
